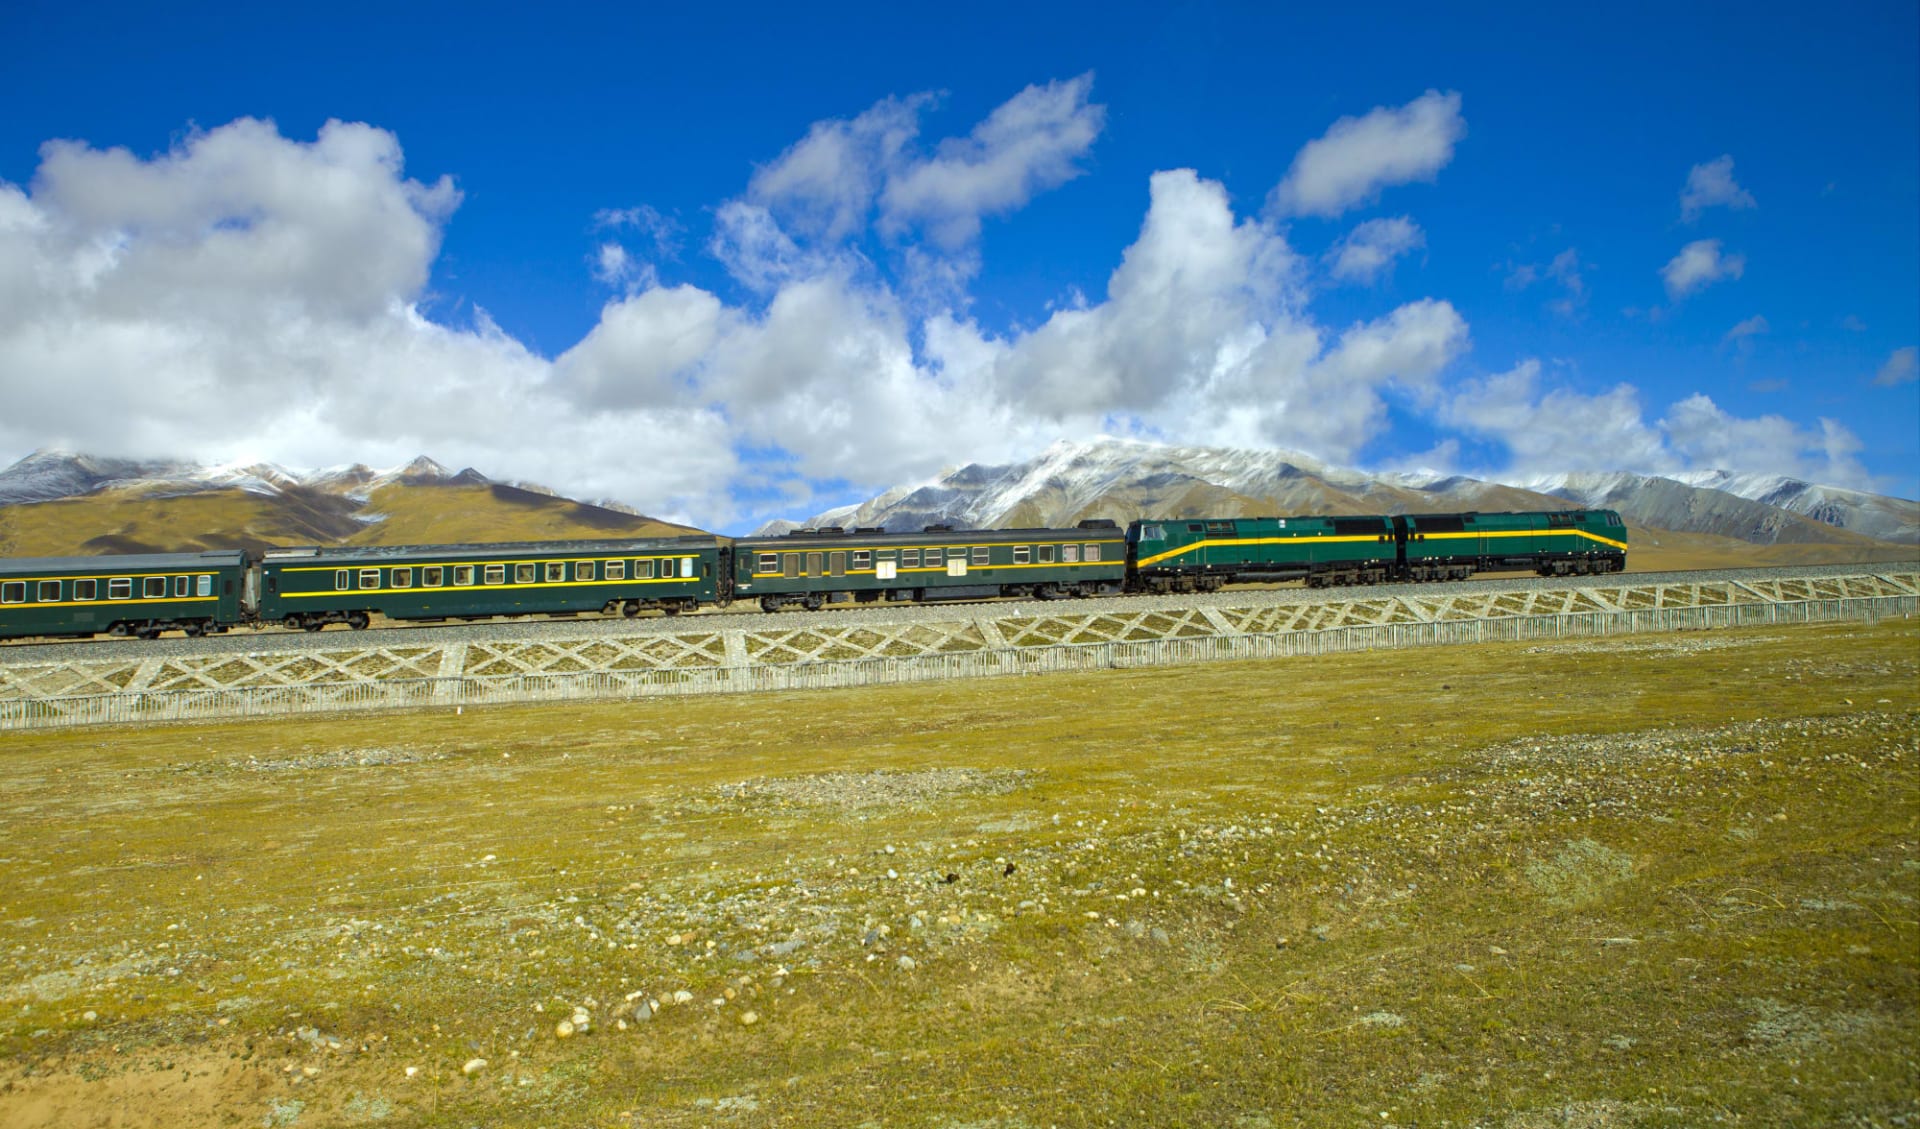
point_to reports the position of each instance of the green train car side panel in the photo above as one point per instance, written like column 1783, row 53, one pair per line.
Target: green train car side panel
column 435, row 582
column 88, row 595
column 1498, row 536
column 801, row 564
column 1256, row 545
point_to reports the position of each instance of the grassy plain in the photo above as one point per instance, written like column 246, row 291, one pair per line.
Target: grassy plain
column 1648, row 881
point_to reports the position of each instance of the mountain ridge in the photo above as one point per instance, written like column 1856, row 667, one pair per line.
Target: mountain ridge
column 1123, row 479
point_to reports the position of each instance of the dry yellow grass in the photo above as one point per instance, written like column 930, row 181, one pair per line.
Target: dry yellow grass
column 1663, row 550
column 1638, row 881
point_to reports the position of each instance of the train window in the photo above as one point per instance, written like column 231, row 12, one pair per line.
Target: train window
column 401, row 577
column 180, row 584
column 430, row 577
column 1559, row 521
column 86, row 589
column 837, row 564
column 1070, row 554
column 982, row 554
column 1195, row 527
column 643, row 570
column 768, row 562
column 583, row 570
column 1222, row 529
column 616, row 570
column 1093, row 553
column 862, row 558
column 790, row 565
column 686, row 568
column 525, row 573
column 816, row 563
column 496, row 574
column 1152, row 533
column 13, row 592
column 154, row 587
column 1022, row 554
column 1046, row 554
column 463, row 574
column 556, row 571
column 341, row 579
column 49, row 591
column 120, row 588
column 909, row 558
column 369, row 578
column 205, row 587
column 934, row 557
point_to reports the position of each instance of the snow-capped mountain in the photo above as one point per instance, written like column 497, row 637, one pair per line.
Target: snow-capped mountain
column 1125, row 479
column 48, row 475
column 55, row 503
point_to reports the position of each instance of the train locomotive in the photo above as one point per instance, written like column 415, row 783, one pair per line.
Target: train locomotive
column 210, row 592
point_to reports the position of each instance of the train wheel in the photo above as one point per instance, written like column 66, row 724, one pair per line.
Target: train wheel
column 148, row 632
column 670, row 608
column 813, row 602
column 196, row 628
column 312, row 625
column 630, row 609
column 769, row 605
column 358, row 620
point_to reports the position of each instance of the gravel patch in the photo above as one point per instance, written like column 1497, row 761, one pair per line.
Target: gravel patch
column 337, row 758
column 914, row 790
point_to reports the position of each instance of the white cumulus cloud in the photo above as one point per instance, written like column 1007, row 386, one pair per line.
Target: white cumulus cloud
column 248, row 292
column 1711, row 185
column 1357, row 157
column 1553, row 430
column 1369, row 250
column 1030, row 143
column 1700, row 264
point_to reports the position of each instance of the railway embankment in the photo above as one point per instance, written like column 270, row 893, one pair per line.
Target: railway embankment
column 585, row 660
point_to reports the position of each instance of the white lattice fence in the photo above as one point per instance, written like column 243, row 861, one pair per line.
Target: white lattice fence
column 997, row 639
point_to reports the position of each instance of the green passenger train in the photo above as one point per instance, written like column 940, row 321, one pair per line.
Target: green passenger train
column 814, row 567
column 202, row 593
column 310, row 588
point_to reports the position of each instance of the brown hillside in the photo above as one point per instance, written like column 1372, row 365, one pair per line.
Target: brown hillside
column 116, row 522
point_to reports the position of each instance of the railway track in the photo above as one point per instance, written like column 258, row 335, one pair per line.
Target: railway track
column 741, row 617
column 293, row 673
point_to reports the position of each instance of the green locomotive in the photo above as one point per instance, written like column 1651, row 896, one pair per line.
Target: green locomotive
column 1202, row 554
column 1551, row 543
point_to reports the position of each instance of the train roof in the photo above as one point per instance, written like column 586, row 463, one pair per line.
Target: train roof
column 124, row 562
column 932, row 535
column 625, row 547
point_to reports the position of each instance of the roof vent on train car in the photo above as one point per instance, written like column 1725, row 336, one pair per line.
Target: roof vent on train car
column 1097, row 523
column 869, row 529
column 943, row 528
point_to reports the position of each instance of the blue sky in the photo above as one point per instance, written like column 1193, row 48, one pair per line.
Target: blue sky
column 733, row 267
